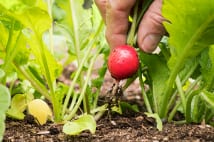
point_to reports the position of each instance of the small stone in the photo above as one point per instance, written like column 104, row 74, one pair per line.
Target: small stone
column 139, row 118
column 113, row 123
column 165, row 139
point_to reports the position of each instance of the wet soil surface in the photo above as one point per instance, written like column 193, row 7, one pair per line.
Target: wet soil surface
column 129, row 127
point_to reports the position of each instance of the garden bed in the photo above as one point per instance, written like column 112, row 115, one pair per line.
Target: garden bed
column 128, row 127
column 125, row 128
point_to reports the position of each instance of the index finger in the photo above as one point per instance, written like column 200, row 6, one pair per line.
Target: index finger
column 101, row 4
column 115, row 13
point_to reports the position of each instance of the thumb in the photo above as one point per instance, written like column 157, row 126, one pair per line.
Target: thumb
column 151, row 28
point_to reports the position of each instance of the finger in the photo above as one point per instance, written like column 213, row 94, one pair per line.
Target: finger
column 117, row 14
column 101, row 4
column 151, row 28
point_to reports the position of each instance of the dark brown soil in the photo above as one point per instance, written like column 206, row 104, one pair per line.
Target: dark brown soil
column 129, row 127
column 133, row 128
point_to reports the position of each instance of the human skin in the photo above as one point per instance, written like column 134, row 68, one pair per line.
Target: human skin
column 115, row 14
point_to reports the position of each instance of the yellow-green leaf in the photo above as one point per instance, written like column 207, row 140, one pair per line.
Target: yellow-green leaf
column 85, row 122
column 40, row 110
column 157, row 119
column 18, row 105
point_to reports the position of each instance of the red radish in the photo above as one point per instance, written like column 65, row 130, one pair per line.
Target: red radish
column 123, row 62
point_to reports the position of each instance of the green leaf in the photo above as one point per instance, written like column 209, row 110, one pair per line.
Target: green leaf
column 29, row 2
column 58, row 13
column 35, row 70
column 157, row 119
column 207, row 67
column 208, row 97
column 198, row 108
column 2, row 125
column 158, row 72
column 80, row 27
column 126, row 106
column 13, row 5
column 11, row 41
column 20, row 51
column 36, row 19
column 2, row 73
column 3, row 37
column 16, row 114
column 85, row 122
column 191, row 29
column 4, row 104
column 18, row 6
column 116, row 109
column 5, row 98
column 18, row 105
column 36, row 22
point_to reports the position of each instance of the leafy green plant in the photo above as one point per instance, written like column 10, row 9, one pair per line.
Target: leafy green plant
column 23, row 50
column 4, row 104
column 180, row 74
column 28, row 53
column 85, row 41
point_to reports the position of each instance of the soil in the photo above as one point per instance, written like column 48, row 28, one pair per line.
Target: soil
column 121, row 128
column 128, row 127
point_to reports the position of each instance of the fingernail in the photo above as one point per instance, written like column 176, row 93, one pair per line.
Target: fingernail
column 150, row 42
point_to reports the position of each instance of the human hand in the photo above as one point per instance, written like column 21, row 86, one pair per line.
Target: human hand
column 115, row 14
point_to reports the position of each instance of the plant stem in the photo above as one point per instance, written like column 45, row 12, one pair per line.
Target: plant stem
column 55, row 101
column 74, row 81
column 99, row 115
column 188, row 92
column 75, row 29
column 35, row 83
column 136, row 20
column 77, row 105
column 79, row 70
column 131, row 35
column 181, row 92
column 9, row 54
column 50, row 81
column 100, row 111
column 168, row 90
column 51, row 42
column 95, row 100
column 188, row 75
column 74, row 99
column 145, row 6
column 86, row 104
column 188, row 106
column 174, row 110
column 8, row 46
column 164, row 50
column 131, row 41
column 130, row 81
column 145, row 98
column 115, row 87
column 180, row 122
